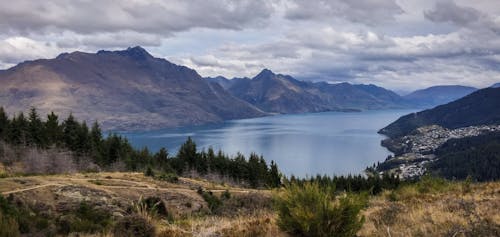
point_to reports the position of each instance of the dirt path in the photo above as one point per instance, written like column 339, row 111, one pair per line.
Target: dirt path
column 31, row 188
column 145, row 186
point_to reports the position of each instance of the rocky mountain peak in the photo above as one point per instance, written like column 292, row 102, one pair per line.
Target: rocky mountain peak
column 265, row 73
column 137, row 52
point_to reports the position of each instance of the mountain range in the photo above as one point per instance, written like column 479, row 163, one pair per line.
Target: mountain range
column 437, row 95
column 127, row 89
column 482, row 107
column 132, row 90
column 277, row 93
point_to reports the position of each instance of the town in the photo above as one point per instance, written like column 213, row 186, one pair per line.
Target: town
column 414, row 151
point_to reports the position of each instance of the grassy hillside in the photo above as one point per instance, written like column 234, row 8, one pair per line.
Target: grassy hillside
column 68, row 203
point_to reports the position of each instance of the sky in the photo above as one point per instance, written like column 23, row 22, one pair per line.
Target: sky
column 398, row 44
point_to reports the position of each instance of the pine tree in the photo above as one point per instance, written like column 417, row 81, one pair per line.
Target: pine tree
column 36, row 129
column 187, row 152
column 17, row 130
column 53, row 130
column 4, row 124
column 275, row 176
column 83, row 141
column 253, row 170
column 96, row 142
column 161, row 157
column 70, row 133
column 113, row 150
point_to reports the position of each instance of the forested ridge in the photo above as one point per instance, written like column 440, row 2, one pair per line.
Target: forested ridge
column 477, row 157
column 86, row 142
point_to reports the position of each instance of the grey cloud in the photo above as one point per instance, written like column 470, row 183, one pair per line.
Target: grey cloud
column 154, row 17
column 368, row 12
column 449, row 11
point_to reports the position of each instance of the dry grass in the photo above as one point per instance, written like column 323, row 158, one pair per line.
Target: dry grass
column 257, row 224
column 449, row 212
column 450, row 209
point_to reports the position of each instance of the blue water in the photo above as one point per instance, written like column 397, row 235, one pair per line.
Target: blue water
column 302, row 144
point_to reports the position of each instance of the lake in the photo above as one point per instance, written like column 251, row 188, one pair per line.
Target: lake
column 301, row 144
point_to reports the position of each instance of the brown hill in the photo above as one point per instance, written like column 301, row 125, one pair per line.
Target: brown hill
column 127, row 89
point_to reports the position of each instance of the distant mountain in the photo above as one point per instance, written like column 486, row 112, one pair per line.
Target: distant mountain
column 225, row 82
column 127, row 89
column 283, row 94
column 438, row 95
column 479, row 108
column 278, row 94
column 361, row 97
column 496, row 85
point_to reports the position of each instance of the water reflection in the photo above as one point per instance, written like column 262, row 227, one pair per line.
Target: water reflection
column 304, row 144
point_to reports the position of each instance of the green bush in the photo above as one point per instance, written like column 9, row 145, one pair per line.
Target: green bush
column 169, row 177
column 430, row 184
column 85, row 219
column 309, row 210
column 133, row 226
column 213, row 201
column 149, row 172
column 226, row 195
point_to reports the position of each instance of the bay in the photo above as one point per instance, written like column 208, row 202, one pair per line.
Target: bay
column 332, row 143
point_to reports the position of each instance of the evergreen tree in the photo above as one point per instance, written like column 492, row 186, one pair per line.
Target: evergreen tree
column 113, row 151
column 4, row 123
column 274, row 176
column 83, row 143
column 53, row 129
column 37, row 135
column 187, row 153
column 161, row 157
column 96, row 142
column 71, row 133
column 254, row 172
column 17, row 130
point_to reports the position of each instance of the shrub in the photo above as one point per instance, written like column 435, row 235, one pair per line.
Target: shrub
column 226, row 195
column 429, row 184
column 85, row 219
column 213, row 201
column 149, row 172
column 309, row 210
column 169, row 177
column 133, row 225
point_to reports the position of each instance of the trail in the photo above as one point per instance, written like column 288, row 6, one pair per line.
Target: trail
column 145, row 186
column 31, row 188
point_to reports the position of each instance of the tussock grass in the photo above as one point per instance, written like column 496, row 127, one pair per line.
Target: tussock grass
column 434, row 207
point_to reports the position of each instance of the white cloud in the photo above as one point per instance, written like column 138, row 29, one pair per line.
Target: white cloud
column 398, row 44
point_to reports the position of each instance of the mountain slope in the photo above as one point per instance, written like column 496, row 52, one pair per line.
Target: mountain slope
column 478, row 108
column 438, row 95
column 283, row 94
column 278, row 94
column 127, row 89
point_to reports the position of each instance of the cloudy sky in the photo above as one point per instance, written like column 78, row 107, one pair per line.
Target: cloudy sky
column 399, row 44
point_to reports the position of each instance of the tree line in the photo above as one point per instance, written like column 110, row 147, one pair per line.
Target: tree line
column 350, row 183
column 88, row 141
